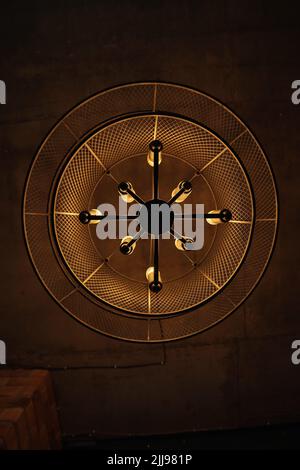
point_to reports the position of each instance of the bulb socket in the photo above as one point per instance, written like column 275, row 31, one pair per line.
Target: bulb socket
column 125, row 248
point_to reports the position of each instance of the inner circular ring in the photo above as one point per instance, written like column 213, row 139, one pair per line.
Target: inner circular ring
column 86, row 285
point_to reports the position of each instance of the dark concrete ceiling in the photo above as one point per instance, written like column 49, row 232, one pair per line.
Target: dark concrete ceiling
column 244, row 53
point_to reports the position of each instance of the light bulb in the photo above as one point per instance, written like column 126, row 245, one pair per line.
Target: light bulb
column 225, row 216
column 155, row 145
column 94, row 212
column 183, row 244
column 124, row 248
column 187, row 191
column 214, row 221
column 123, row 192
column 150, row 279
column 150, row 158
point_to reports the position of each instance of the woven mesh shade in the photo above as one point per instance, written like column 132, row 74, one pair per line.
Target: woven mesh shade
column 104, row 141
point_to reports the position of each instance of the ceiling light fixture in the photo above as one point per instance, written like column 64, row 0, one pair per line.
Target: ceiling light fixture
column 148, row 143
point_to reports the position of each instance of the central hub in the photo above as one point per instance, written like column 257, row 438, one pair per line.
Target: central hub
column 156, row 217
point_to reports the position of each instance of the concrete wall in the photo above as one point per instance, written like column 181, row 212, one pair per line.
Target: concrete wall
column 245, row 53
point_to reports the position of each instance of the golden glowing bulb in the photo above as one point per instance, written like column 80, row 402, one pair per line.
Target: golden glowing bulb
column 124, row 248
column 150, row 158
column 124, row 195
column 185, row 193
column 214, row 221
column 183, row 244
column 94, row 212
column 150, row 279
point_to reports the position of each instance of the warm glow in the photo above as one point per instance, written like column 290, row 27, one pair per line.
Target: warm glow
column 150, row 158
column 127, row 197
column 95, row 212
column 124, row 244
column 214, row 221
column 183, row 244
column 150, row 275
column 182, row 196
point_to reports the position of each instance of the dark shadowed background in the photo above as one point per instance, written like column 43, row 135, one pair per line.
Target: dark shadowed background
column 245, row 53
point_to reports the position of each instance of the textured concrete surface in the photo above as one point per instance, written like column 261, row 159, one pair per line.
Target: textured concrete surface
column 244, row 53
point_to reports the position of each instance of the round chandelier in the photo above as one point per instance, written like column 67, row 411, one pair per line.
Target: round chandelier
column 150, row 145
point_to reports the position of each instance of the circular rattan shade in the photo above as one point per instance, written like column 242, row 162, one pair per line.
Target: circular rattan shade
column 104, row 141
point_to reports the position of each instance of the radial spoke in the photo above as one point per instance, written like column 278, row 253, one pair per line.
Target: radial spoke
column 85, row 217
column 135, row 196
column 175, row 234
column 224, row 214
column 155, row 261
column 136, row 237
column 122, row 217
column 155, row 146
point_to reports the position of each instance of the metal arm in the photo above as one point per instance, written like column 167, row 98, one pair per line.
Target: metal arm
column 156, row 147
